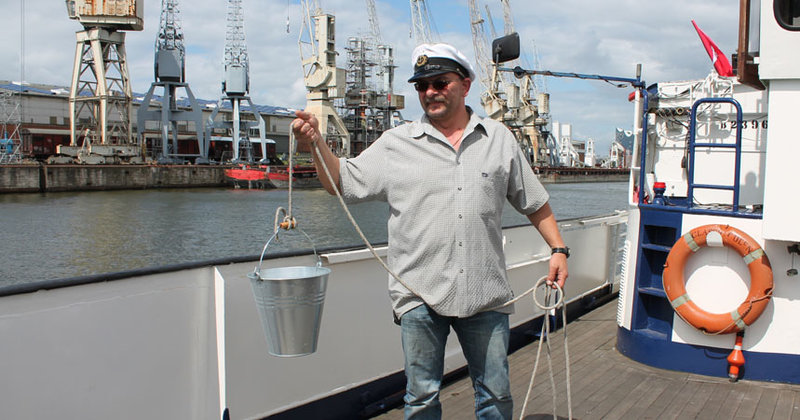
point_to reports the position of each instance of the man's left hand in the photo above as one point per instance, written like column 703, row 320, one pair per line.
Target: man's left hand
column 558, row 270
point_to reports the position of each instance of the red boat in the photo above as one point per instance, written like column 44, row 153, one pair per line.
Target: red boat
column 248, row 176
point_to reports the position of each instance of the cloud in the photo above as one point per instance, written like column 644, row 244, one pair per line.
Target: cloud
column 582, row 36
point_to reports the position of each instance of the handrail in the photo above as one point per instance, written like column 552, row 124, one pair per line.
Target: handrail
column 643, row 152
column 737, row 148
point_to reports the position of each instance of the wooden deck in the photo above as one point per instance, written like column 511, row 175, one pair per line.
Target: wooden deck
column 607, row 385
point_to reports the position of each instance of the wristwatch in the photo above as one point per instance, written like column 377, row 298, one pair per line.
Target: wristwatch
column 564, row 251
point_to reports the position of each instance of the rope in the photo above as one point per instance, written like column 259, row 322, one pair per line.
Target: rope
column 546, row 308
column 545, row 335
column 288, row 221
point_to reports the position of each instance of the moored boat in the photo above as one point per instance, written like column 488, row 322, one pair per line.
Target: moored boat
column 303, row 176
column 248, row 176
column 712, row 252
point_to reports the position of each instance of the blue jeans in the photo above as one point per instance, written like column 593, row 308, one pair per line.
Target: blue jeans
column 484, row 341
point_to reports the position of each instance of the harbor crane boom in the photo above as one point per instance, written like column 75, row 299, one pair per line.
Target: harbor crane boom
column 170, row 73
column 374, row 26
column 420, row 22
column 495, row 106
column 235, row 90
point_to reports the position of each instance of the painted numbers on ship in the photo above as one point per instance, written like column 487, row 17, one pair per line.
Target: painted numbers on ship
column 752, row 124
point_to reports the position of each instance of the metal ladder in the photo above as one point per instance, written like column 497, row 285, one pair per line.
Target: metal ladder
column 693, row 144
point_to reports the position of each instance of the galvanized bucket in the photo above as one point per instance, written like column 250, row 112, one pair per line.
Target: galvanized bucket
column 289, row 302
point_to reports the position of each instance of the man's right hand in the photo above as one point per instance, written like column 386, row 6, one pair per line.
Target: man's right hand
column 306, row 131
column 305, row 128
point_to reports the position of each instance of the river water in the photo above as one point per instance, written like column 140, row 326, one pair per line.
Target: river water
column 58, row 235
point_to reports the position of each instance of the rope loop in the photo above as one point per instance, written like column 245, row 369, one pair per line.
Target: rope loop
column 548, row 292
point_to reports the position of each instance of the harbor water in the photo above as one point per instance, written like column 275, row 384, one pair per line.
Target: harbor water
column 59, row 235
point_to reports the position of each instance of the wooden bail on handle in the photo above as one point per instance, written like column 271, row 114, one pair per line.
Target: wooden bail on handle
column 760, row 279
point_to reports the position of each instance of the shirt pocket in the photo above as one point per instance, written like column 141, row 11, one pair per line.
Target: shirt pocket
column 492, row 185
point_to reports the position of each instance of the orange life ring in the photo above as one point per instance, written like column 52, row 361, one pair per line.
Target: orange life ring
column 760, row 279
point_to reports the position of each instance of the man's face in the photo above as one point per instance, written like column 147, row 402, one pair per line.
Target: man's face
column 443, row 95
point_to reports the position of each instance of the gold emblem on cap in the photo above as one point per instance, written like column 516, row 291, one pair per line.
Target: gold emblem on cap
column 422, row 60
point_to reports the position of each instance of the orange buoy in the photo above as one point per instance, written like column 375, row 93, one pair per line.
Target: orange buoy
column 736, row 358
column 760, row 279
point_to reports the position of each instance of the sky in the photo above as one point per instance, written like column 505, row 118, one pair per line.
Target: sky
column 582, row 36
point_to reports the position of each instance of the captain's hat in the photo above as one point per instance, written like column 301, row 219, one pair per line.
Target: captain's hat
column 435, row 59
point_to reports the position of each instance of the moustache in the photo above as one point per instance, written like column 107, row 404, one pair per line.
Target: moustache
column 435, row 99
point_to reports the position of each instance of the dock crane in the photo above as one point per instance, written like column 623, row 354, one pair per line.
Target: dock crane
column 170, row 74
column 324, row 81
column 530, row 109
column 388, row 103
column 235, row 89
column 100, row 99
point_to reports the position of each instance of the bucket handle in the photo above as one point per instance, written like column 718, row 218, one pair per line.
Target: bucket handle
column 257, row 269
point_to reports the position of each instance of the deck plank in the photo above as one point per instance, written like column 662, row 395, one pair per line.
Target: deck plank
column 796, row 405
column 715, row 401
column 747, row 409
column 766, row 405
column 607, row 385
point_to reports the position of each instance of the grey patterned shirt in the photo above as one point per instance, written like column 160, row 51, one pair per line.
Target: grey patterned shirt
column 445, row 229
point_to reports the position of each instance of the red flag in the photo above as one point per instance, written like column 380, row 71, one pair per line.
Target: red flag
column 721, row 63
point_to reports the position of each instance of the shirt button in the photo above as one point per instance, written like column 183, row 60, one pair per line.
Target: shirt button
column 459, row 243
column 461, row 271
column 459, row 188
column 460, row 216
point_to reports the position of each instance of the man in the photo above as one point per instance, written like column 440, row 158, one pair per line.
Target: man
column 446, row 178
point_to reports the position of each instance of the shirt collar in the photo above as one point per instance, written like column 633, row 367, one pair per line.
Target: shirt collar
column 423, row 125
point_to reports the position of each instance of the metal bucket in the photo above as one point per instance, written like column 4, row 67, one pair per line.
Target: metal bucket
column 289, row 302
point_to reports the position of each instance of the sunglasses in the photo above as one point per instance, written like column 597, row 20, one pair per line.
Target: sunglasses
column 438, row 84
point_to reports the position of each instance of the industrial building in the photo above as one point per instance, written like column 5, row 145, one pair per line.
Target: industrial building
column 45, row 121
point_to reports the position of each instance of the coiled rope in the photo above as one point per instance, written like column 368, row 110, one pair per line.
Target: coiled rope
column 548, row 290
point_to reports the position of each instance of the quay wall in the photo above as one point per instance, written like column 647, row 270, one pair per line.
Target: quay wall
column 549, row 175
column 38, row 177
column 52, row 178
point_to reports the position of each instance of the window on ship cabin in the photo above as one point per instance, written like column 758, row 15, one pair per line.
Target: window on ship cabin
column 787, row 13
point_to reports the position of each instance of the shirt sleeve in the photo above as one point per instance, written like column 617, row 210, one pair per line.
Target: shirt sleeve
column 525, row 192
column 362, row 177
